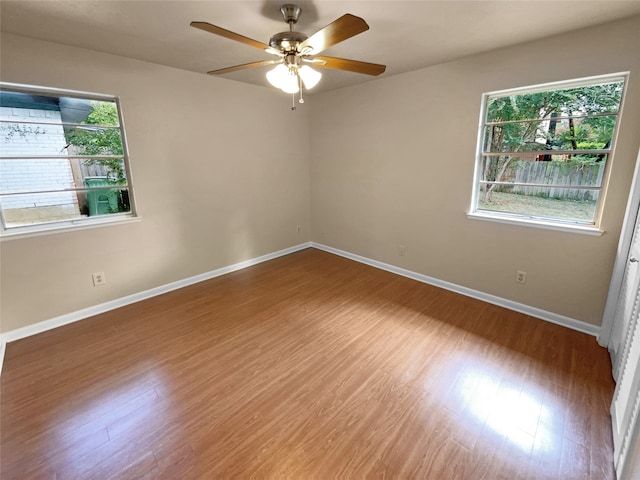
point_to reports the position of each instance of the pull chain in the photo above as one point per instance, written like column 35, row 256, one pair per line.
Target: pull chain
column 301, row 100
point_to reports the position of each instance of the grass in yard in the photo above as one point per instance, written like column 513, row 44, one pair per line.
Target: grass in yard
column 540, row 207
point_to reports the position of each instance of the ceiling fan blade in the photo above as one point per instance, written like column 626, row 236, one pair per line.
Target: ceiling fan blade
column 349, row 65
column 345, row 27
column 242, row 67
column 207, row 27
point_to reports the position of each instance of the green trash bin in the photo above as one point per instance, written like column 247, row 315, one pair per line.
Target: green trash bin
column 101, row 202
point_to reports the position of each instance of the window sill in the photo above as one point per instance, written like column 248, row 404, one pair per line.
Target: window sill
column 40, row 230
column 526, row 222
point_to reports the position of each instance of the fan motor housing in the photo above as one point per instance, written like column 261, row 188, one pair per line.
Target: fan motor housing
column 287, row 41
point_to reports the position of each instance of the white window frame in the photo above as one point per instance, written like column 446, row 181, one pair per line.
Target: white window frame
column 530, row 220
column 46, row 227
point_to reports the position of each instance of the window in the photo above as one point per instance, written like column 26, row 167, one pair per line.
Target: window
column 543, row 152
column 63, row 159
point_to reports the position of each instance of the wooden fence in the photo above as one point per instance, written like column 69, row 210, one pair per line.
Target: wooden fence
column 95, row 170
column 560, row 176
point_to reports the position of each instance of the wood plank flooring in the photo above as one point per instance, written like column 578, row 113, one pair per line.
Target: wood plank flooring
column 307, row 366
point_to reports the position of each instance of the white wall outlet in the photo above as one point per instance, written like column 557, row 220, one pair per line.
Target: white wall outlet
column 99, row 279
column 521, row 277
column 402, row 250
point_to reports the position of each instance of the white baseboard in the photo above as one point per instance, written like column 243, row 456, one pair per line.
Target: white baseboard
column 501, row 302
column 40, row 327
column 78, row 315
column 3, row 346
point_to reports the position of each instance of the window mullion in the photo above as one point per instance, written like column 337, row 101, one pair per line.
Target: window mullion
column 547, row 185
column 64, row 190
column 61, row 157
column 521, row 153
column 88, row 126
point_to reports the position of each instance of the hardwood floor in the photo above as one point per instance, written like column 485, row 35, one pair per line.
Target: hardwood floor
column 308, row 366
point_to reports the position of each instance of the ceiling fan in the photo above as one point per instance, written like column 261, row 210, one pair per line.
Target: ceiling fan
column 296, row 50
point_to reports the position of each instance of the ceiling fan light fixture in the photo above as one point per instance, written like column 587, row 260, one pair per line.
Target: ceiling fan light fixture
column 284, row 78
column 276, row 76
column 309, row 76
column 291, row 84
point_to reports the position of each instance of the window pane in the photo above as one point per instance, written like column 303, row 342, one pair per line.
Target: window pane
column 559, row 204
column 54, row 175
column 584, row 100
column 19, row 138
column 60, row 109
column 583, row 171
column 541, row 188
column 111, row 168
column 42, row 132
column 93, row 141
column 580, row 133
column 34, row 208
column 19, row 175
column 36, row 174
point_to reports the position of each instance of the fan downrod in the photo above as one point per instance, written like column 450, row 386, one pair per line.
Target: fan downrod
column 287, row 42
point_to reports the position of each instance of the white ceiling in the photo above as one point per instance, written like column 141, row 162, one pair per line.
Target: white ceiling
column 404, row 35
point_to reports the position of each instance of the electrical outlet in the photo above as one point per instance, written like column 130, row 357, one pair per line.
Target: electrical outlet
column 99, row 279
column 298, row 228
column 402, row 250
column 521, row 277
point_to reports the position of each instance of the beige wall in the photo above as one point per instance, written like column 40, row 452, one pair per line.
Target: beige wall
column 213, row 182
column 377, row 165
column 392, row 164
